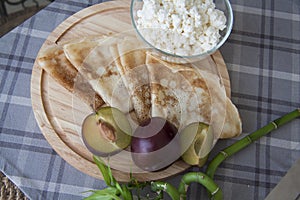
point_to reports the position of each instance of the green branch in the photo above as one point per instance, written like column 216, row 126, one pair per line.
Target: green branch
column 241, row 144
column 159, row 186
column 203, row 179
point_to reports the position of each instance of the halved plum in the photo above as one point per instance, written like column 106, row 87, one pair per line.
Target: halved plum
column 199, row 138
column 106, row 132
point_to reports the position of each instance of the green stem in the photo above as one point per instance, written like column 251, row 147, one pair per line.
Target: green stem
column 241, row 144
column 159, row 186
column 203, row 179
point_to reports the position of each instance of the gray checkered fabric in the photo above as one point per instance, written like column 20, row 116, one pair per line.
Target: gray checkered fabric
column 263, row 59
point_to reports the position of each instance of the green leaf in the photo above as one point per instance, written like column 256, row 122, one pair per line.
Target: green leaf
column 108, row 190
column 109, row 193
column 104, row 170
column 97, row 196
column 131, row 175
column 127, row 195
column 111, row 190
column 113, row 181
column 119, row 188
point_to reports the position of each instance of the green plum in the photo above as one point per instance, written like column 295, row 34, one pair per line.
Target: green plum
column 197, row 140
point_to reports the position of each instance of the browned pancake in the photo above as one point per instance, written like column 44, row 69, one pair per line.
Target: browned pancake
column 178, row 95
column 76, row 51
column 129, row 55
column 55, row 63
column 93, row 60
column 197, row 97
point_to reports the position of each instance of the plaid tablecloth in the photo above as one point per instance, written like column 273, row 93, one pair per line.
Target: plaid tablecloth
column 263, row 59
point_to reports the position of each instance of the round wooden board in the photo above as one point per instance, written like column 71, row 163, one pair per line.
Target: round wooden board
column 56, row 109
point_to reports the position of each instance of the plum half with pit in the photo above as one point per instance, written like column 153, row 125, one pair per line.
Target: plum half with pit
column 154, row 144
column 106, row 132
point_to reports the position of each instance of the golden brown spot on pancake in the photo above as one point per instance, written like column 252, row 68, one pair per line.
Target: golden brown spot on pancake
column 144, row 112
column 109, row 73
column 199, row 83
column 162, row 97
column 175, row 121
column 205, row 107
column 129, row 61
column 195, row 79
column 59, row 66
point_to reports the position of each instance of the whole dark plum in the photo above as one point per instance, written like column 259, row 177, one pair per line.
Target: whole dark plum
column 155, row 144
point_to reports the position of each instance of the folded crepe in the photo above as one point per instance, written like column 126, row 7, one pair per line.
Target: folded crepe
column 55, row 63
column 76, row 51
column 92, row 58
column 129, row 55
column 173, row 96
column 184, row 94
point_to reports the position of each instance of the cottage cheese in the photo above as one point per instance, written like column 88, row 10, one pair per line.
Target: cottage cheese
column 181, row 27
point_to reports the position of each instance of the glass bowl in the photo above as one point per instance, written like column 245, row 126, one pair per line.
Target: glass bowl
column 223, row 5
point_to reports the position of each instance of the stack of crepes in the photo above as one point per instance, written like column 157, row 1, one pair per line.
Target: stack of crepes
column 125, row 74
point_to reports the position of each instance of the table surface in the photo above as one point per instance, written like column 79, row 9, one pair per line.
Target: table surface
column 263, row 58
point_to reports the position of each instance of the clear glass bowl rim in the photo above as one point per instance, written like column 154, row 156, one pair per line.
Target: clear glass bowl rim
column 220, row 43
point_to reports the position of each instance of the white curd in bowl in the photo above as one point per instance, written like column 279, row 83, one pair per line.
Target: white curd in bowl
column 182, row 28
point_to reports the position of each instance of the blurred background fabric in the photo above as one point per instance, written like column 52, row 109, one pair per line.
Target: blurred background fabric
column 15, row 12
column 12, row 14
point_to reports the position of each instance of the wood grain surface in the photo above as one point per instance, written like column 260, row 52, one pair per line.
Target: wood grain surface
column 60, row 113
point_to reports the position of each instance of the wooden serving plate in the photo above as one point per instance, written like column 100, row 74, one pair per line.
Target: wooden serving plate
column 59, row 112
